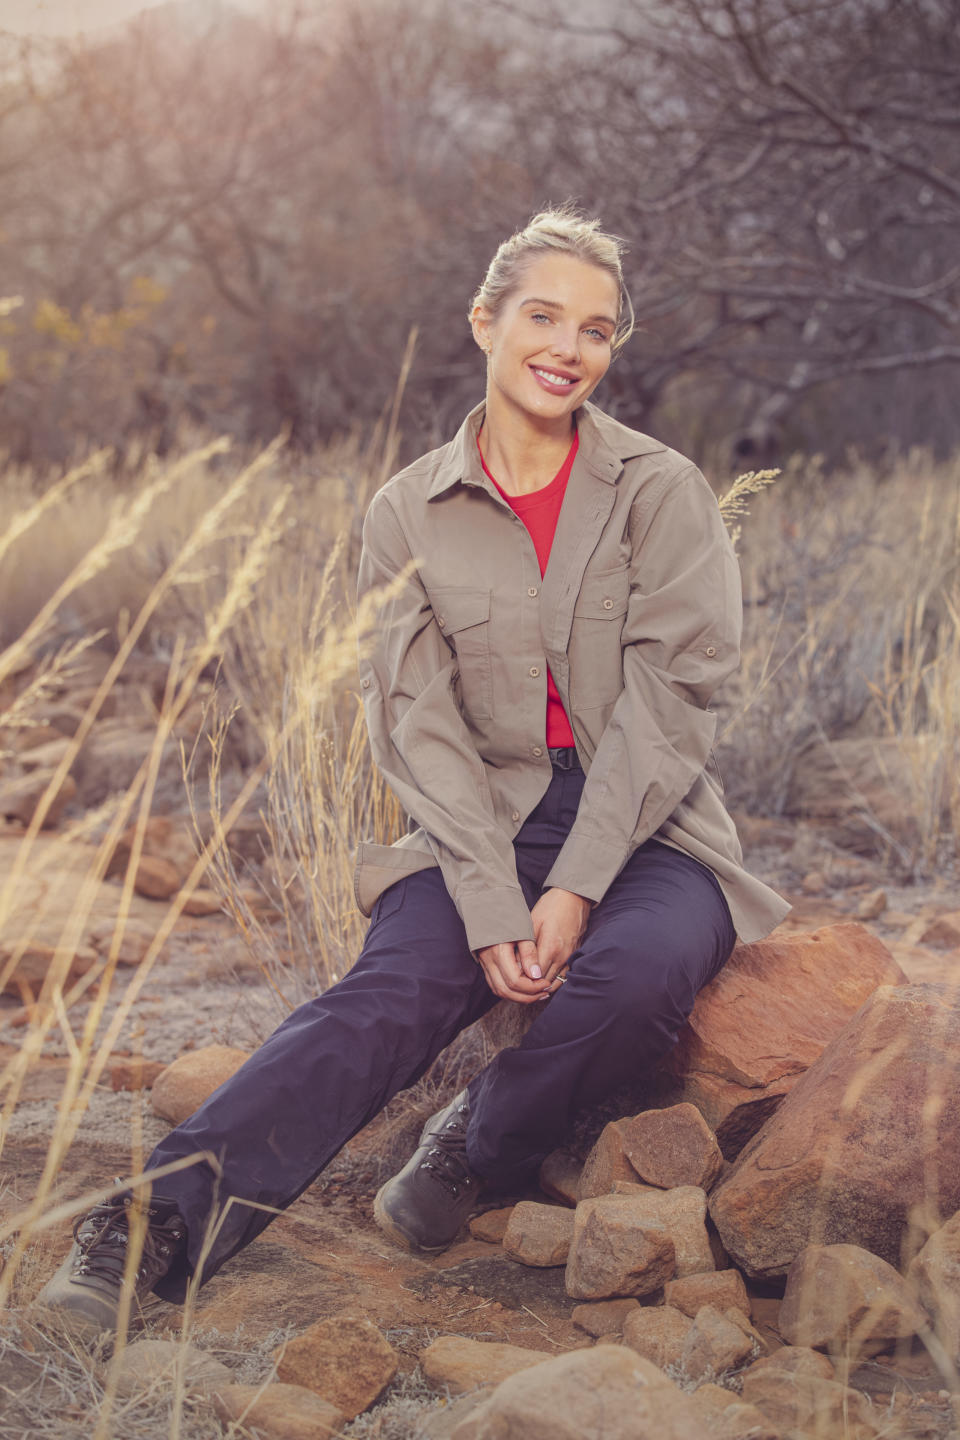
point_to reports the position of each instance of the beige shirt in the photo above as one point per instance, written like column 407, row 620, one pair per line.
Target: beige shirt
column 638, row 617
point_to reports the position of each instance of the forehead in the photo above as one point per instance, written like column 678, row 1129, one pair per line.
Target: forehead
column 568, row 281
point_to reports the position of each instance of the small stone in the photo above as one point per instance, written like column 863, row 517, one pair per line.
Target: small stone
column 147, row 1363
column 805, row 1402
column 560, row 1176
column 934, row 1277
column 136, row 1074
column 182, row 1087
column 156, row 879
column 658, row 1333
column 21, row 798
column 490, row 1226
column 203, row 902
column 278, row 1412
column 814, row 882
column 672, row 1147
column 539, row 1235
column 35, row 960
column 344, row 1359
column 617, row 1250
column 603, row 1317
column 843, row 1298
column 135, row 940
column 944, row 932
column 721, row 1288
column 606, row 1163
column 872, row 905
column 462, row 1364
column 797, row 1360
column 714, row 1344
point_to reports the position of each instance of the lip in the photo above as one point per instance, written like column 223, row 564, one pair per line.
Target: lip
column 554, row 389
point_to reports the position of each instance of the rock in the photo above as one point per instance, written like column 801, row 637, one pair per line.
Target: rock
column 34, row 961
column 183, row 1086
column 203, row 902
column 345, row 1360
column 767, row 1016
column 872, row 905
column 729, row 1418
column 539, row 1234
column 714, row 1344
column 147, row 1363
column 606, row 1393
column 32, row 737
column 843, row 1299
column 21, row 798
column 278, row 1412
column 814, row 882
column 491, row 1225
column 944, row 932
column 49, row 756
column 136, row 1074
column 462, row 1364
column 657, row 1332
column 683, row 1214
column 560, row 1176
column 441, row 1422
column 829, row 1171
column 156, row 879
column 112, row 756
column 672, row 1147
column 161, row 837
column 934, row 1277
column 603, row 1317
column 861, row 790
column 798, row 1360
column 722, row 1288
column 607, row 1163
column 617, row 1250
column 806, row 1403
column 134, row 942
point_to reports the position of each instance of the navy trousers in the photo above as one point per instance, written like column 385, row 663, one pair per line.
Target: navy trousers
column 660, row 933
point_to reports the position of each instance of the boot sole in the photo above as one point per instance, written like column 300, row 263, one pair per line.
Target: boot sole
column 392, row 1230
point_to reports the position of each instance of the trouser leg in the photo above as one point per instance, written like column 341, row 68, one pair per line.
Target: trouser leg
column 326, row 1072
column 661, row 932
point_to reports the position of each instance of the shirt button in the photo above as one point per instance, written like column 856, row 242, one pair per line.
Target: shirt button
column 441, row 621
column 365, row 682
column 515, row 816
column 533, row 592
column 537, row 750
column 608, row 604
column 711, row 650
column 534, row 671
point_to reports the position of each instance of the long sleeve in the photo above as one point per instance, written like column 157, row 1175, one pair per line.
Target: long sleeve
column 681, row 640
column 422, row 745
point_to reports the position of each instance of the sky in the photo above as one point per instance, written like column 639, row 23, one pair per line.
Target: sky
column 73, row 17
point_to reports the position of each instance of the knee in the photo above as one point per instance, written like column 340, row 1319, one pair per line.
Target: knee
column 654, row 977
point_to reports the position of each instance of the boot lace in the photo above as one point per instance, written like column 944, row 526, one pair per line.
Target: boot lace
column 103, row 1235
column 446, row 1159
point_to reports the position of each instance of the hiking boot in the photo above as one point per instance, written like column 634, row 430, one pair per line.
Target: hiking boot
column 427, row 1203
column 84, row 1295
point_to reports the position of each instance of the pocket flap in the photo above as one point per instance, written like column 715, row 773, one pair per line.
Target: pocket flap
column 457, row 607
column 604, row 596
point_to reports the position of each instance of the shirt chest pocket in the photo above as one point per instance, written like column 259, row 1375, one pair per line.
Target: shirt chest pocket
column 463, row 615
column 595, row 654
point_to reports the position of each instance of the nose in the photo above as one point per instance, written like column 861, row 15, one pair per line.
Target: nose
column 566, row 343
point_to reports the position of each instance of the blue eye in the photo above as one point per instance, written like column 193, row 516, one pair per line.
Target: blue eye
column 539, row 315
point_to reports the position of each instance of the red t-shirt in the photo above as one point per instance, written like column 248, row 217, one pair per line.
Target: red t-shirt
column 540, row 510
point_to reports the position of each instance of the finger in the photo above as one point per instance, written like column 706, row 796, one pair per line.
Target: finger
column 505, row 977
column 528, row 959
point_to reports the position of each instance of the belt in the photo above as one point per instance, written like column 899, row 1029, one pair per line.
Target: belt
column 564, row 757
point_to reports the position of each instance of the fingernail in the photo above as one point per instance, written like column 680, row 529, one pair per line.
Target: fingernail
column 536, row 973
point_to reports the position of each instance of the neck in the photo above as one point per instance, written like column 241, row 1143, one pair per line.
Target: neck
column 523, row 453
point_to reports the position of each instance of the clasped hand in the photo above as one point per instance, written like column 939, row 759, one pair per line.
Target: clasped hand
column 528, row 970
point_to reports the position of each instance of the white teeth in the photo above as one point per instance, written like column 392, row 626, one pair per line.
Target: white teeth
column 551, row 377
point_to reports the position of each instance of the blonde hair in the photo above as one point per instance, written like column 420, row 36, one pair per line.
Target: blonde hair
column 566, row 230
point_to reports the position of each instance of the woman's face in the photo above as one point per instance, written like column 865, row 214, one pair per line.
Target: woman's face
column 550, row 343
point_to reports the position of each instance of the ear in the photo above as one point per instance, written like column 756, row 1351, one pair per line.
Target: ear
column 481, row 322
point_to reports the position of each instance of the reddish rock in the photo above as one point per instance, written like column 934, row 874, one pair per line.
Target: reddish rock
column 560, row 1176
column 617, row 1250
column 807, row 1404
column 672, row 1147
column 33, row 963
column 682, row 1212
column 657, row 1332
column 539, row 1235
column 135, row 940
column 872, row 905
column 767, row 1016
column 729, row 1418
column 491, row 1225
column 863, row 1144
column 934, row 1277
column 203, row 902
column 345, row 1360
column 278, row 1412
column 944, row 932
column 136, row 1074
column 603, row 1317
column 21, row 798
column 721, row 1288
column 156, row 879
column 798, row 1360
column 160, row 836
column 462, row 1364
column 714, row 1344
column 149, row 1364
column 843, row 1299
column 182, row 1087
column 607, row 1162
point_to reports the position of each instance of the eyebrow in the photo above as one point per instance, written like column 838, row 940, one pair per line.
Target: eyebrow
column 555, row 305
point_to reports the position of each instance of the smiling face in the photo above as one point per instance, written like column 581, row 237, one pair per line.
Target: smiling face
column 549, row 345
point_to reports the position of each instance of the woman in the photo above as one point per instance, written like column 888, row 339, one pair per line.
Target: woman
column 563, row 601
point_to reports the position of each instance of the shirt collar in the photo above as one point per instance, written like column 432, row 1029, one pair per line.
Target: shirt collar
column 604, row 445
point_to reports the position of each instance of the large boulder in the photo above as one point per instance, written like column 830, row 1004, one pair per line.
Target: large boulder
column 864, row 1148
column 767, row 1017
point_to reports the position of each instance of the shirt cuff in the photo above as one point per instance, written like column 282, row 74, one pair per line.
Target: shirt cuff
column 587, row 866
column 492, row 917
